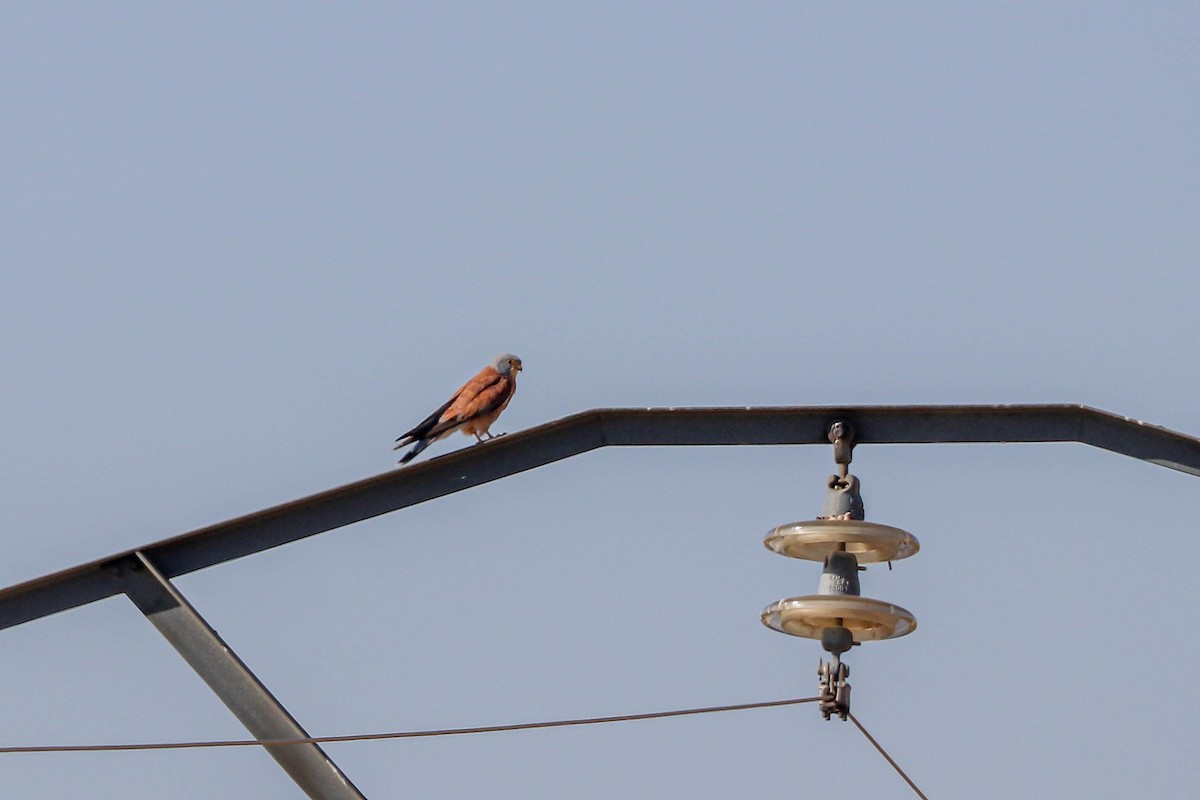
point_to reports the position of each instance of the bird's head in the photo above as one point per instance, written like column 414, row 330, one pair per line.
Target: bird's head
column 506, row 364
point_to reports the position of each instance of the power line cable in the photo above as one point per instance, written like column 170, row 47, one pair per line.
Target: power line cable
column 883, row 753
column 362, row 737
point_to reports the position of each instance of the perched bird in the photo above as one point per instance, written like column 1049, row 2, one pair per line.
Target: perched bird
column 472, row 409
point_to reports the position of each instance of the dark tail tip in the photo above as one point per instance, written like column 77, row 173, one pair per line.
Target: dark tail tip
column 411, row 454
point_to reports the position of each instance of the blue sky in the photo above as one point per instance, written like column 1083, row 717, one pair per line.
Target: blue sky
column 244, row 248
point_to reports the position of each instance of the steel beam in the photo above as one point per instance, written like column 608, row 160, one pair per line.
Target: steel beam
column 229, row 678
column 554, row 441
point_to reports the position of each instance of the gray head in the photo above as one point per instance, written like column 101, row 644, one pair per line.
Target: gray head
column 506, row 364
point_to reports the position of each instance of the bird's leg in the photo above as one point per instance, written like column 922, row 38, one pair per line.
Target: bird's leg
column 478, row 438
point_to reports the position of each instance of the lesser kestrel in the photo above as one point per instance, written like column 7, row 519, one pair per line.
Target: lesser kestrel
column 472, row 409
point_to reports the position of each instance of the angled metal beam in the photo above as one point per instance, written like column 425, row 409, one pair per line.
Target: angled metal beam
column 590, row 430
column 229, row 678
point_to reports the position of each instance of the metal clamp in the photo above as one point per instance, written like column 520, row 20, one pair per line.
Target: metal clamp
column 833, row 690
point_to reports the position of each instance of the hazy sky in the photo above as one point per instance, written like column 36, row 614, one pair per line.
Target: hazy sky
column 246, row 245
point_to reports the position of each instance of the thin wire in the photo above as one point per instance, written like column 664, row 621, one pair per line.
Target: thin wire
column 883, row 753
column 362, row 737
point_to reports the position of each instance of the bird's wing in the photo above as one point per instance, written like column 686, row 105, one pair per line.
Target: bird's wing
column 422, row 430
column 486, row 392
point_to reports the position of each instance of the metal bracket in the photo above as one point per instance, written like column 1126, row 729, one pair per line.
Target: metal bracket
column 229, row 678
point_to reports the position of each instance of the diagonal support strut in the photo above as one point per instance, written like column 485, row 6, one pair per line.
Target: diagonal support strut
column 229, row 678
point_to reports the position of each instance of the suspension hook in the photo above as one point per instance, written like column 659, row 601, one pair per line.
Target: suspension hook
column 841, row 436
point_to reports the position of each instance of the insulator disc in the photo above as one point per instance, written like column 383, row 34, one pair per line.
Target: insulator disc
column 817, row 538
column 807, row 616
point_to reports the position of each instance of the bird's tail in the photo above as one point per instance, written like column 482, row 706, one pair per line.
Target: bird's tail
column 411, row 454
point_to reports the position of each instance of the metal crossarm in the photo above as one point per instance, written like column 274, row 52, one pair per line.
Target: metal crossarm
column 580, row 433
column 144, row 573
